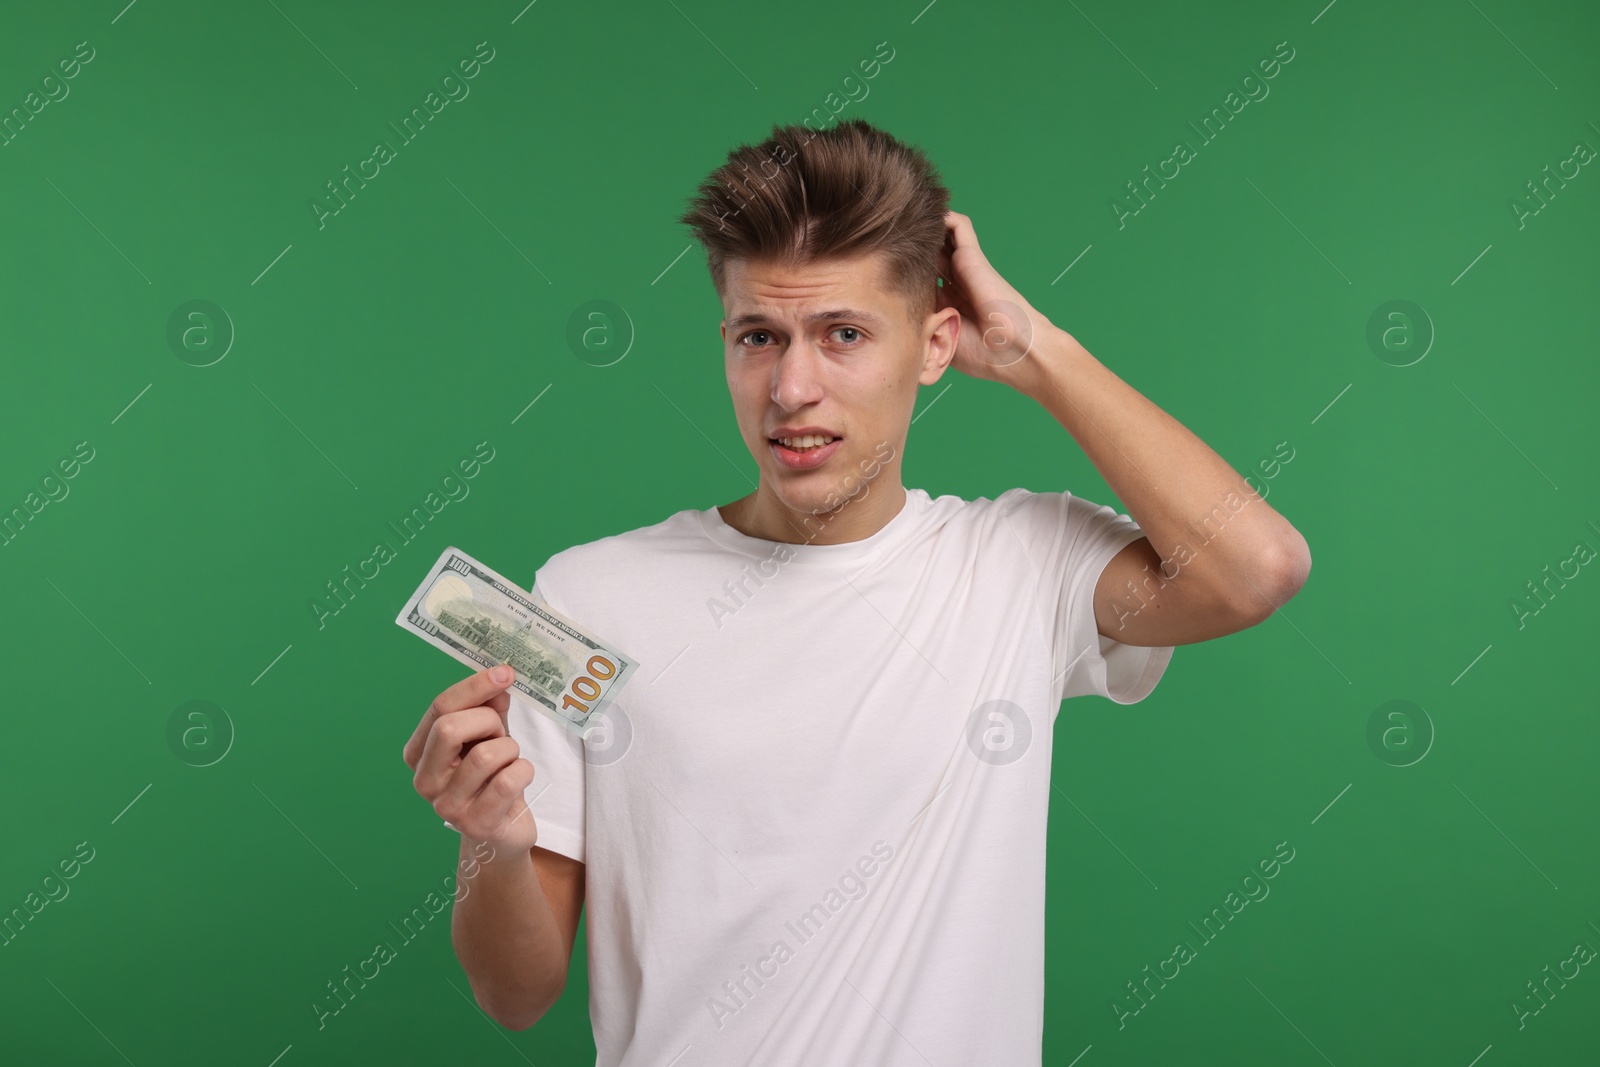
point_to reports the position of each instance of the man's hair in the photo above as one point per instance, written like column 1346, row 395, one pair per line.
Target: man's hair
column 803, row 195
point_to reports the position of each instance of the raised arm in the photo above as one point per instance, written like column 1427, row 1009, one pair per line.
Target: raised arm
column 1189, row 578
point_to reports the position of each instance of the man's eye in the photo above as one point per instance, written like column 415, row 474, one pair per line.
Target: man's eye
column 762, row 338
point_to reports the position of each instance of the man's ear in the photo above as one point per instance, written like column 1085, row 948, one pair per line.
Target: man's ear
column 944, row 330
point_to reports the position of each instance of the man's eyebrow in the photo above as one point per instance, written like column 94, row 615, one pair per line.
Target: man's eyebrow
column 758, row 317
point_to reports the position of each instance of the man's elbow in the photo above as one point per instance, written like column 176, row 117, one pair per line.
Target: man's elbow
column 1292, row 566
column 1251, row 595
column 520, row 1016
column 1283, row 573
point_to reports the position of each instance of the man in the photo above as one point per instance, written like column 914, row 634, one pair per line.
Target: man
column 815, row 832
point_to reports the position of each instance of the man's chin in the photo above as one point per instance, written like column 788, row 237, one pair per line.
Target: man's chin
column 807, row 495
column 795, row 498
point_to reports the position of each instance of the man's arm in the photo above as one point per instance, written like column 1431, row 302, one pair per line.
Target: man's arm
column 1190, row 578
column 514, row 930
column 1215, row 557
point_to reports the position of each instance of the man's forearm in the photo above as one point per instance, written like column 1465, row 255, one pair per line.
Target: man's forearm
column 508, row 940
column 1168, row 479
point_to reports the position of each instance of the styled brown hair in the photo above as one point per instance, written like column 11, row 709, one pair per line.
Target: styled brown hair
column 804, row 194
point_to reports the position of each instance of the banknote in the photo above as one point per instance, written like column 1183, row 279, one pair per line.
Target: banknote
column 483, row 619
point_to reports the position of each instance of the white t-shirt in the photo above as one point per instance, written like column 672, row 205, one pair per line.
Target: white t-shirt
column 814, row 823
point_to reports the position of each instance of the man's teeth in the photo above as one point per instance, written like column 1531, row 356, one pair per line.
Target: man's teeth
column 810, row 440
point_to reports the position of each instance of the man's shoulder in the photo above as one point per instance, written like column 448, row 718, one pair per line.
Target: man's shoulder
column 1027, row 516
column 1002, row 504
column 1003, row 499
column 625, row 552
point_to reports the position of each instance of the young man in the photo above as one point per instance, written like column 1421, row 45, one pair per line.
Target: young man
column 813, row 831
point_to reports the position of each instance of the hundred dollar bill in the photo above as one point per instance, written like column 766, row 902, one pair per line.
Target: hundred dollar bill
column 483, row 620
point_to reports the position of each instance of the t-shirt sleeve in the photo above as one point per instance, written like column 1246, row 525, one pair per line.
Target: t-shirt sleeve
column 1068, row 541
column 555, row 797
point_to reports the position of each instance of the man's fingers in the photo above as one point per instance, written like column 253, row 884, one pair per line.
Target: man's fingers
column 467, row 779
column 506, row 791
column 501, row 702
column 499, row 807
column 443, row 747
column 472, row 691
column 959, row 227
column 960, row 236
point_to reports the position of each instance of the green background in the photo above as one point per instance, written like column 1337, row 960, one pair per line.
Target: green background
column 370, row 355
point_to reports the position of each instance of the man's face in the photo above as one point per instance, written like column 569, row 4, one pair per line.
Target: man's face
column 825, row 349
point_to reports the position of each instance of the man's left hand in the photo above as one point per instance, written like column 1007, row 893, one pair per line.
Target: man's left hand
column 1000, row 331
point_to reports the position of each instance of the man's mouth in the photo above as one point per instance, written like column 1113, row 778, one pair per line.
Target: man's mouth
column 804, row 451
column 805, row 442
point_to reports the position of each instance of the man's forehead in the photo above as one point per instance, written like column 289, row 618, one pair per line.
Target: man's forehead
column 809, row 292
column 756, row 315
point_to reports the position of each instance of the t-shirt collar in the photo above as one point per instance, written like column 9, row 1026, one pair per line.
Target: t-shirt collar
column 846, row 553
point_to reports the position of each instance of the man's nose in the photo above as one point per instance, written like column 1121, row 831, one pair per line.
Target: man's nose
column 796, row 379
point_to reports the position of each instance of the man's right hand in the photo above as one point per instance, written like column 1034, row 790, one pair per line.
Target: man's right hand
column 469, row 767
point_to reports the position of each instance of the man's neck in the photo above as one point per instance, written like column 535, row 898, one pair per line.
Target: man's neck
column 763, row 515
